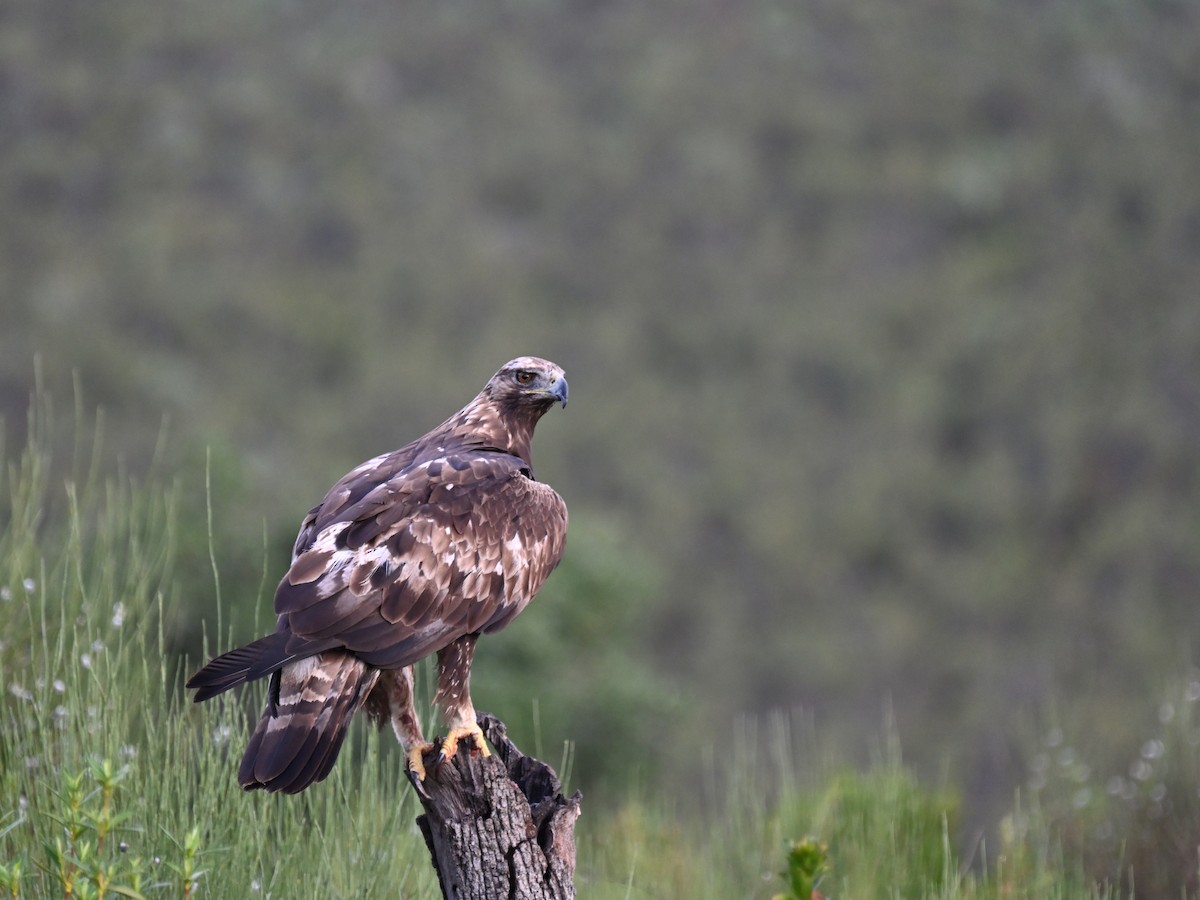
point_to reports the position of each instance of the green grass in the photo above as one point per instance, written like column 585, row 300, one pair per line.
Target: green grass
column 775, row 826
column 88, row 688
column 113, row 784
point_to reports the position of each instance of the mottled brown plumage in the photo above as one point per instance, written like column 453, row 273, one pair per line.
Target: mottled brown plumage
column 414, row 552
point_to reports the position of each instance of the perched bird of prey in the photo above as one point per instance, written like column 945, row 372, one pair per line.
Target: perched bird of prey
column 417, row 551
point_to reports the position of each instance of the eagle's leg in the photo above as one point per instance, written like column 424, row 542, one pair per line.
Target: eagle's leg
column 397, row 685
column 453, row 698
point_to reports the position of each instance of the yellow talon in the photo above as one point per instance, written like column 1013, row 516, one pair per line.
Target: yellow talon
column 450, row 744
column 416, row 765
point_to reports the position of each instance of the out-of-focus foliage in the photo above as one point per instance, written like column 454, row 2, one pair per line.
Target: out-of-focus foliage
column 1135, row 824
column 561, row 676
column 113, row 783
column 881, row 322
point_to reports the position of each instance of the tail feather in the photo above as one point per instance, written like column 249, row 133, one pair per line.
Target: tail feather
column 254, row 660
column 302, row 729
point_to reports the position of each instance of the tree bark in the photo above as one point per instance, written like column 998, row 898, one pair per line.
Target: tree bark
column 499, row 826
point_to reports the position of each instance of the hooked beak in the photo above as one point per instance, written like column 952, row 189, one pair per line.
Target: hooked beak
column 559, row 390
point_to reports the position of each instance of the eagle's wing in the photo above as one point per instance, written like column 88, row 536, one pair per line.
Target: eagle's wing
column 440, row 549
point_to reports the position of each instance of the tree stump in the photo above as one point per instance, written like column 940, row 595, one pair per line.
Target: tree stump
column 499, row 826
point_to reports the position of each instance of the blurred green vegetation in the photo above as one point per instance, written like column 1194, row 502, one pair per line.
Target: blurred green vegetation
column 112, row 783
column 881, row 324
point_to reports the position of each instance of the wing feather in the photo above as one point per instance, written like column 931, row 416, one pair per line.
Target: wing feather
column 439, row 548
column 443, row 548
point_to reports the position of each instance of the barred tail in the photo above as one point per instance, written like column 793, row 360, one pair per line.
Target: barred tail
column 309, row 707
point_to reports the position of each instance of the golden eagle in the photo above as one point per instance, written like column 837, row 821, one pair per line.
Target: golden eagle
column 417, row 551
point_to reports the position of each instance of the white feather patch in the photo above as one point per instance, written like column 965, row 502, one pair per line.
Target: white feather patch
column 326, row 541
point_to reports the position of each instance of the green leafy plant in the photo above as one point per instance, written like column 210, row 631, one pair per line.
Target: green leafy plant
column 807, row 865
column 186, row 873
column 10, row 878
column 81, row 859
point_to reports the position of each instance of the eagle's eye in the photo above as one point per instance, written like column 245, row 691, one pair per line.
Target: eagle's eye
column 523, row 377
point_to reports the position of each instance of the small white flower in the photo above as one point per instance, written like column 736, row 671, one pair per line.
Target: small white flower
column 128, row 751
column 1153, row 749
column 20, row 692
column 221, row 734
column 85, row 660
column 30, row 585
column 97, row 646
column 60, row 716
column 59, row 686
column 5, row 593
column 255, row 886
column 118, row 616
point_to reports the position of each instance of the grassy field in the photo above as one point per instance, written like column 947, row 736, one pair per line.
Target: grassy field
column 113, row 784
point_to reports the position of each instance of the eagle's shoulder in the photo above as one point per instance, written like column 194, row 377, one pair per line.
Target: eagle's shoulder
column 349, row 490
column 455, row 541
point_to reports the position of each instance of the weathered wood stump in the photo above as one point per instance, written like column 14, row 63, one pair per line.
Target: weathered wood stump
column 499, row 826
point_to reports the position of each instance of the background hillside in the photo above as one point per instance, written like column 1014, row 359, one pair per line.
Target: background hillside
column 882, row 326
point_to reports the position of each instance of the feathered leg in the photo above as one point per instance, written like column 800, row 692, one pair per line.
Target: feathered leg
column 453, row 697
column 393, row 699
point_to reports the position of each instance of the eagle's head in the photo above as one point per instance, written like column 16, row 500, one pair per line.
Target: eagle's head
column 528, row 383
